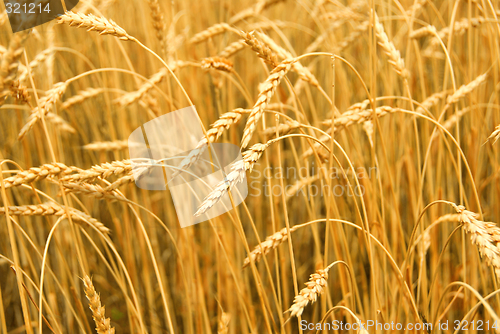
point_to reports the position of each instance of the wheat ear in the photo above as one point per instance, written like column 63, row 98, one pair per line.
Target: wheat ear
column 43, row 109
column 271, row 242
column 93, row 23
column 103, row 171
column 495, row 135
column 431, row 101
column 265, row 95
column 254, row 10
column 9, row 62
column 39, row 58
column 390, row 50
column 459, row 28
column 93, row 190
column 485, row 235
column 103, row 324
column 210, row 32
column 155, row 79
column 82, row 96
column 465, row 89
column 233, row 48
column 260, row 48
column 53, row 209
column 158, row 23
column 19, row 92
column 281, row 129
column 314, row 288
column 354, row 116
column 236, row 175
column 223, row 327
column 39, row 173
column 217, row 63
column 223, row 123
column 107, row 145
column 302, row 71
column 349, row 118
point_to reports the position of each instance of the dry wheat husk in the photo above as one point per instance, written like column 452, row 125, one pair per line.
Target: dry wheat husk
column 103, row 324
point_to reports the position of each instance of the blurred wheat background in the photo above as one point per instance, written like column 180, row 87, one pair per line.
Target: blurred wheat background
column 401, row 98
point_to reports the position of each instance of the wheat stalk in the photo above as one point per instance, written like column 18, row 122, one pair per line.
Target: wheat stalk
column 93, row 23
column 265, row 95
column 103, row 324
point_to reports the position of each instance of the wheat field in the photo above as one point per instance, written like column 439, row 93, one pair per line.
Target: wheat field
column 368, row 131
